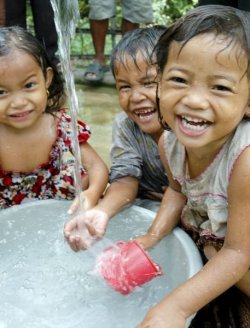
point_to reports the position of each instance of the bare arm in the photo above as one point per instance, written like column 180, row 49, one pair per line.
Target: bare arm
column 169, row 212
column 119, row 194
column 225, row 269
column 95, row 182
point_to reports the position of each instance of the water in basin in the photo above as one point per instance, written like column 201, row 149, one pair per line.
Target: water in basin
column 44, row 283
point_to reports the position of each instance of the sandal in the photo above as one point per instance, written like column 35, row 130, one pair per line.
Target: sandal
column 95, row 72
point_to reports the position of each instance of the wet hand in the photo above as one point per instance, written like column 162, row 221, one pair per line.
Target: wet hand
column 84, row 229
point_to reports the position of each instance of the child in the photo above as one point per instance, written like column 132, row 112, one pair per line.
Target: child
column 136, row 169
column 35, row 146
column 204, row 94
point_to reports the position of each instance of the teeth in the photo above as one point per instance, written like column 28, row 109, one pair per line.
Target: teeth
column 194, row 127
column 193, row 119
column 144, row 111
column 195, row 124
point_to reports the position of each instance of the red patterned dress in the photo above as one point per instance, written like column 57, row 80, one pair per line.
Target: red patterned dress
column 54, row 179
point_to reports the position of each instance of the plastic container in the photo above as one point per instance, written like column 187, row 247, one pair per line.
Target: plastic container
column 126, row 265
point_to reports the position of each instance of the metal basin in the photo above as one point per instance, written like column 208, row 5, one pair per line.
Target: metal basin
column 44, row 283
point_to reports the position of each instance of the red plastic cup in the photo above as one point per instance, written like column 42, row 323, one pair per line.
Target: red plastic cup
column 126, row 266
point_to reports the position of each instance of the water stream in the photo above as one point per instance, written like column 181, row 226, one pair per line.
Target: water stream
column 66, row 14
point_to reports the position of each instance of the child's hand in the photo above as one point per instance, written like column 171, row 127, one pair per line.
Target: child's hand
column 83, row 230
column 147, row 241
column 163, row 315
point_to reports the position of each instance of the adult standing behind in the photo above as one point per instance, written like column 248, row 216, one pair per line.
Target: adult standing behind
column 134, row 13
column 2, row 12
column 44, row 25
column 240, row 4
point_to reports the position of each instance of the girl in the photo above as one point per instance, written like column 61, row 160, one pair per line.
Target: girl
column 204, row 101
column 35, row 146
column 136, row 170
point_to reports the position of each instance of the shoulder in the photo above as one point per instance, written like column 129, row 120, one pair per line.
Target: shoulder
column 239, row 142
column 122, row 121
column 126, row 128
column 170, row 143
column 243, row 127
column 65, row 127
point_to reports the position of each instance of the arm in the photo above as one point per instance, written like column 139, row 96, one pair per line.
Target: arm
column 119, row 194
column 95, row 182
column 224, row 270
column 169, row 212
column 125, row 174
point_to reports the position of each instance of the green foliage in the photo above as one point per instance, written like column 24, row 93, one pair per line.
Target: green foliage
column 83, row 8
column 165, row 12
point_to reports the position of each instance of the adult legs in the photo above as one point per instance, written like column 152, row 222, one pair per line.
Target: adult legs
column 15, row 11
column 99, row 14
column 128, row 26
column 2, row 13
column 135, row 13
column 99, row 29
column 44, row 25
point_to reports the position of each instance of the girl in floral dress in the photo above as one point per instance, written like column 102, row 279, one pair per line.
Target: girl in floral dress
column 36, row 155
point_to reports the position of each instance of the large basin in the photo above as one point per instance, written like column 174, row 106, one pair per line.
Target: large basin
column 43, row 283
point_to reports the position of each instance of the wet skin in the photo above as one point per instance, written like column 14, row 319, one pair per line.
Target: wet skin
column 136, row 85
column 203, row 104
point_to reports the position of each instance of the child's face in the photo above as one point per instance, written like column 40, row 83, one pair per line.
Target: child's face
column 136, row 85
column 204, row 91
column 23, row 96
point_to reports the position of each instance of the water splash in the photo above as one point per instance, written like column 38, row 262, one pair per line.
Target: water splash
column 66, row 14
column 44, row 284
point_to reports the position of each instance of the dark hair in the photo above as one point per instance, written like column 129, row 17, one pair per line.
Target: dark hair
column 233, row 23
column 16, row 37
column 139, row 40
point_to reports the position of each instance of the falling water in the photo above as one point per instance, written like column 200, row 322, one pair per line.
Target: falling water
column 66, row 14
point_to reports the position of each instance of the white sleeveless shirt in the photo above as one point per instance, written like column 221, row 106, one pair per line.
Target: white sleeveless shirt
column 206, row 210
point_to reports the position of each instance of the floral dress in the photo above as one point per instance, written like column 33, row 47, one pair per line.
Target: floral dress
column 54, row 179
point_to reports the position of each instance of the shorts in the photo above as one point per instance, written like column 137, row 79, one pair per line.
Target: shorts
column 135, row 11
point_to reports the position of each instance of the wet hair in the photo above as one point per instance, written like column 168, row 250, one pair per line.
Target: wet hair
column 141, row 40
column 230, row 22
column 16, row 38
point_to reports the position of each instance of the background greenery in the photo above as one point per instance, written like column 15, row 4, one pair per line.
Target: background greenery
column 165, row 12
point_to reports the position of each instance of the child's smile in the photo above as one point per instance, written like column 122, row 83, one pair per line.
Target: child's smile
column 21, row 116
column 136, row 84
column 204, row 90
column 23, row 87
column 193, row 126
